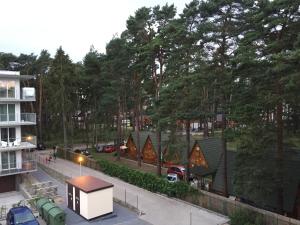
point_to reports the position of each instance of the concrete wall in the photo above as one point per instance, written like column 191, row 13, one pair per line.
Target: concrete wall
column 228, row 206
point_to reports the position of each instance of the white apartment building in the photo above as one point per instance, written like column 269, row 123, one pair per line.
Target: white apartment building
column 15, row 139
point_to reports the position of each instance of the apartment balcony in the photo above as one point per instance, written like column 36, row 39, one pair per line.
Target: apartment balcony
column 16, row 119
column 17, row 168
column 28, row 142
column 27, row 94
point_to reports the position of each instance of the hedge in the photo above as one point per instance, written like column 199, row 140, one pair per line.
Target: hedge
column 146, row 181
column 243, row 217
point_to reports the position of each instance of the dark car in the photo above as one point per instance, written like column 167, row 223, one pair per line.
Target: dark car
column 21, row 215
column 40, row 146
column 179, row 170
column 84, row 152
column 78, row 151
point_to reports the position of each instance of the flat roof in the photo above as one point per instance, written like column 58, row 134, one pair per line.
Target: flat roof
column 89, row 183
column 8, row 72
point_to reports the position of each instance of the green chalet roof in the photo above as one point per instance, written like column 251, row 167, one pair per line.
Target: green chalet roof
column 291, row 176
column 153, row 136
column 212, row 151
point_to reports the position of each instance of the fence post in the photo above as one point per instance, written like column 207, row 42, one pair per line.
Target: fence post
column 125, row 197
column 191, row 221
column 137, row 202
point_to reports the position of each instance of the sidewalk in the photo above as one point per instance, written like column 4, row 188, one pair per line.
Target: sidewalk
column 157, row 209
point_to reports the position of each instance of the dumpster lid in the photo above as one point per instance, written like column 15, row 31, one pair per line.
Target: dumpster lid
column 49, row 205
column 56, row 211
column 89, row 183
column 42, row 201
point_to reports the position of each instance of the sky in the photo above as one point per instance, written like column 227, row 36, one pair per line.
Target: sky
column 28, row 26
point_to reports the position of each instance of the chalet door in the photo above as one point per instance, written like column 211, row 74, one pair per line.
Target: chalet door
column 70, row 196
column 77, row 201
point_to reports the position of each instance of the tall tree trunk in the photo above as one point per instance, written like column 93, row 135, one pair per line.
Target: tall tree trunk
column 188, row 140
column 87, row 125
column 205, row 129
column 224, row 150
column 137, row 130
column 40, row 108
column 279, row 121
column 118, row 129
column 64, row 119
column 158, row 133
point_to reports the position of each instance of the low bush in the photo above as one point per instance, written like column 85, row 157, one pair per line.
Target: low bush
column 147, row 181
column 243, row 217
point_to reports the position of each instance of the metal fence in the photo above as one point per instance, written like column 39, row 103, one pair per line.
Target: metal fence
column 226, row 206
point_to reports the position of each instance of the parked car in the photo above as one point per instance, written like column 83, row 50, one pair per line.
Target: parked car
column 21, row 215
column 78, row 151
column 109, row 148
column 99, row 147
column 40, row 146
column 84, row 152
column 172, row 177
column 179, row 170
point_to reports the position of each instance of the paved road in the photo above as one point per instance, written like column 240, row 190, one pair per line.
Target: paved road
column 157, row 209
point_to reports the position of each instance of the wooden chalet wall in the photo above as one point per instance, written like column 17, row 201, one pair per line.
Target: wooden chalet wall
column 131, row 149
column 168, row 161
column 197, row 157
column 148, row 153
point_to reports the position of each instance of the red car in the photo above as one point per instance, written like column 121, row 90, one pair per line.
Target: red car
column 179, row 170
column 109, row 148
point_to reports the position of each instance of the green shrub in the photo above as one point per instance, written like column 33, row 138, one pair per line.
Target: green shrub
column 147, row 181
column 243, row 217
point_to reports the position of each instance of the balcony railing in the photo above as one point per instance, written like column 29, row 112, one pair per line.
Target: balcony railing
column 15, row 168
column 25, row 94
column 15, row 143
column 28, row 93
column 18, row 118
column 29, row 139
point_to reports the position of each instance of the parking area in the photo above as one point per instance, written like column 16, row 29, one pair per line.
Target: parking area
column 120, row 216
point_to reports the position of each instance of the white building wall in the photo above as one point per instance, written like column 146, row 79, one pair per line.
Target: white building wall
column 100, row 203
column 19, row 159
column 83, row 204
column 18, row 133
column 18, row 111
column 17, row 90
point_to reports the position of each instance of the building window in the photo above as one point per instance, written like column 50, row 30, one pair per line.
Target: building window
column 8, row 134
column 28, row 93
column 7, row 89
column 7, row 112
column 8, row 160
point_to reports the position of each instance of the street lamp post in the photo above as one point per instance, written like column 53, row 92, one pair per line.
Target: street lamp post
column 80, row 159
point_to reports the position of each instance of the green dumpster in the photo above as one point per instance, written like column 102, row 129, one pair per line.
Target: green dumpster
column 56, row 216
column 39, row 205
column 46, row 208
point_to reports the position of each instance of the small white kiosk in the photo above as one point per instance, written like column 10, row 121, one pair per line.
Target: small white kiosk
column 90, row 197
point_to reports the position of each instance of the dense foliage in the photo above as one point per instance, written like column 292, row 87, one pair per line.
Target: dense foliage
column 243, row 217
column 147, row 181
